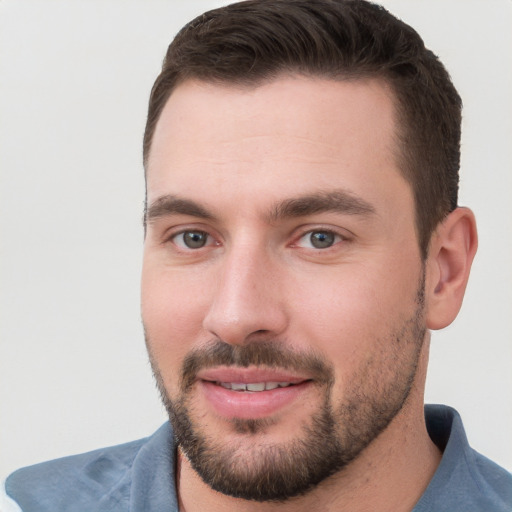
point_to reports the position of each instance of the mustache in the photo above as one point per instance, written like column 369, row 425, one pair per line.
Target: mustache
column 271, row 354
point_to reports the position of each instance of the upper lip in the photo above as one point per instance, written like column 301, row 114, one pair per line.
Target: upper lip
column 250, row 375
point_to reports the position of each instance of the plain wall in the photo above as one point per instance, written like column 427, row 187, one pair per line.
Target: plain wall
column 74, row 82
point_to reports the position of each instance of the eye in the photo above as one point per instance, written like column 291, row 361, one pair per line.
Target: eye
column 192, row 239
column 320, row 239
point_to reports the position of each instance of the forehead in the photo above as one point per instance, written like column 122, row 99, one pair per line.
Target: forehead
column 291, row 133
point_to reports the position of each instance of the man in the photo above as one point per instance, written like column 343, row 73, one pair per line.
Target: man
column 302, row 238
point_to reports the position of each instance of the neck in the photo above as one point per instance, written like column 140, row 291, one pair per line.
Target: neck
column 391, row 474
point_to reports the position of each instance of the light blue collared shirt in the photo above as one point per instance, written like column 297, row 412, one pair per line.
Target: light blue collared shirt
column 139, row 477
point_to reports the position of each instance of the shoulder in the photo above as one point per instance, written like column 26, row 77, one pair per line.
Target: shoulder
column 494, row 481
column 465, row 479
column 78, row 482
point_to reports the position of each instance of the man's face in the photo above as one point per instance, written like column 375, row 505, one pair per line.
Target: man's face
column 282, row 287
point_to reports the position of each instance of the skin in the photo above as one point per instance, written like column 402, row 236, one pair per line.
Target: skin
column 259, row 276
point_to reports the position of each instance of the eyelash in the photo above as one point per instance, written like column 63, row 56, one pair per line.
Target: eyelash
column 332, row 238
column 182, row 233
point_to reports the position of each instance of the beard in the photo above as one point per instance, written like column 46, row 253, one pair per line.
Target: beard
column 251, row 466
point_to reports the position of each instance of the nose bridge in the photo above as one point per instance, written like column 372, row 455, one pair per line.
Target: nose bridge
column 246, row 298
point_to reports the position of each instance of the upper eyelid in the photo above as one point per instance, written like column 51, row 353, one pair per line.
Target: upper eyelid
column 208, row 236
column 296, row 234
column 311, row 231
column 304, row 230
column 183, row 231
column 173, row 231
column 295, row 243
column 331, row 231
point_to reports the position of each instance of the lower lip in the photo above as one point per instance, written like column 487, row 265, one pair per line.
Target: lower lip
column 251, row 405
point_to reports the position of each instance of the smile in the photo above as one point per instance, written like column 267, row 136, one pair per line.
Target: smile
column 254, row 387
column 230, row 398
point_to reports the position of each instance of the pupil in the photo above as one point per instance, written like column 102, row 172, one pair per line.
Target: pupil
column 322, row 239
column 194, row 239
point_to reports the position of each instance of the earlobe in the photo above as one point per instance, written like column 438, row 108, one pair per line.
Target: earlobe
column 452, row 249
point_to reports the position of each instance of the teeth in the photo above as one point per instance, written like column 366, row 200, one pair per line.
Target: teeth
column 255, row 386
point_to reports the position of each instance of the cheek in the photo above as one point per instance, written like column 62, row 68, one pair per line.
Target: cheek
column 173, row 308
column 337, row 322
column 348, row 315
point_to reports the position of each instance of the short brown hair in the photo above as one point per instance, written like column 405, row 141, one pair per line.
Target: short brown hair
column 254, row 41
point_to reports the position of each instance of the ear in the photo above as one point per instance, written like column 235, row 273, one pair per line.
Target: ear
column 452, row 249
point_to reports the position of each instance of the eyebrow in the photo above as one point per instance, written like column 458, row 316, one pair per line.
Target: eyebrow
column 338, row 201
column 173, row 205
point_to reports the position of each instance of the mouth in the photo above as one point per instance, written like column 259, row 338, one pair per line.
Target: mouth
column 251, row 393
column 254, row 387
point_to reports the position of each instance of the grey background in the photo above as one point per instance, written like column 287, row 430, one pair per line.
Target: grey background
column 74, row 82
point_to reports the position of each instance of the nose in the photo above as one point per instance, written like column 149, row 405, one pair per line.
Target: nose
column 247, row 301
